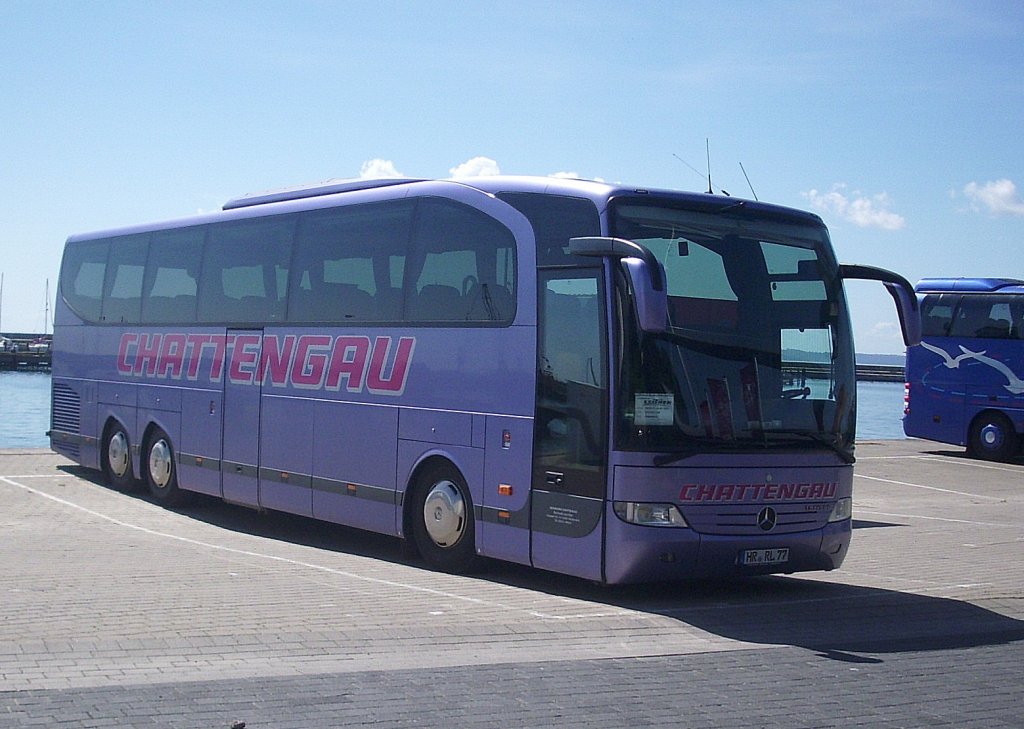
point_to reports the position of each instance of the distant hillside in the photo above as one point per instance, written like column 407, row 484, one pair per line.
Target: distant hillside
column 896, row 360
column 796, row 355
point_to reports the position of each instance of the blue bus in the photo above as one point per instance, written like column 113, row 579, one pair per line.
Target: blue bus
column 615, row 383
column 965, row 382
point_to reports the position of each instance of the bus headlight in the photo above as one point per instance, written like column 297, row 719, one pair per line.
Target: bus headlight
column 842, row 510
column 656, row 515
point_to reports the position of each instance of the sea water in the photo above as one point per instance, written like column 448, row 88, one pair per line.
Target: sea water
column 25, row 410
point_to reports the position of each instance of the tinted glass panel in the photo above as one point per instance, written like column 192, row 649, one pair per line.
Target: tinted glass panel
column 988, row 317
column 464, row 266
column 556, row 219
column 348, row 264
column 937, row 314
column 572, row 384
column 172, row 269
column 244, row 274
column 81, row 277
column 122, row 288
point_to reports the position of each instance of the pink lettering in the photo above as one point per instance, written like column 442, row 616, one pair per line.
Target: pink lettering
column 147, row 354
column 220, row 346
column 310, row 363
column 275, row 361
column 377, row 381
column 196, row 344
column 243, row 359
column 123, row 365
column 172, row 353
column 348, row 361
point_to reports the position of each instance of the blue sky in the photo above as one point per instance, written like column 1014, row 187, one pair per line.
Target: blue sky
column 899, row 123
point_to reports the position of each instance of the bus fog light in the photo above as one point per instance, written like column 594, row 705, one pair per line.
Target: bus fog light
column 842, row 510
column 656, row 515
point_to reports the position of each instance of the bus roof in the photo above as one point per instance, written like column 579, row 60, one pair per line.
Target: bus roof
column 597, row 191
column 284, row 200
column 983, row 285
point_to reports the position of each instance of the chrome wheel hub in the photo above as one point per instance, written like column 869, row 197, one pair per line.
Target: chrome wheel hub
column 160, row 463
column 444, row 514
column 117, row 454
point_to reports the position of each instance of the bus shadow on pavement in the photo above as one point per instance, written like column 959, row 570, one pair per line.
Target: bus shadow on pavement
column 838, row 621
column 274, row 525
column 963, row 455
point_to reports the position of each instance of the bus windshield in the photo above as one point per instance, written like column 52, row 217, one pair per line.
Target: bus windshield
column 757, row 353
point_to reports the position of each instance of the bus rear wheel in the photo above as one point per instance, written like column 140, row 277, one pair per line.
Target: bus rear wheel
column 442, row 520
column 161, row 473
column 117, row 459
column 992, row 438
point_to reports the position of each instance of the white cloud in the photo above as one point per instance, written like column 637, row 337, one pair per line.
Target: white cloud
column 574, row 176
column 476, row 167
column 857, row 208
column 377, row 168
column 998, row 197
column 887, row 330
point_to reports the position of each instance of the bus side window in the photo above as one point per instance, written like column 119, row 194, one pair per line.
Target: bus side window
column 244, row 275
column 169, row 287
column 937, row 314
column 343, row 264
column 461, row 267
column 122, row 288
column 81, row 277
column 984, row 317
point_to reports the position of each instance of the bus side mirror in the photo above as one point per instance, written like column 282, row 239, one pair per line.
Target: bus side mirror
column 645, row 273
column 902, row 293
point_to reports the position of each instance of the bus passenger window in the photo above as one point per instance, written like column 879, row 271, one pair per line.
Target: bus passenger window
column 466, row 267
column 984, row 317
column 937, row 314
column 122, row 290
column 244, row 274
column 169, row 289
column 344, row 264
column 81, row 277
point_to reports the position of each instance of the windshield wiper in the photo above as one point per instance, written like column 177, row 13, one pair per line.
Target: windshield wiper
column 825, row 440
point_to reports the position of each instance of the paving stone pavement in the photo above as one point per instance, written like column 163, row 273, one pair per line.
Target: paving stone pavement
column 116, row 612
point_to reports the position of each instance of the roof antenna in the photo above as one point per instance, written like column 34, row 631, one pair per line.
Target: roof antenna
column 748, row 183
column 698, row 172
column 707, row 147
column 711, row 190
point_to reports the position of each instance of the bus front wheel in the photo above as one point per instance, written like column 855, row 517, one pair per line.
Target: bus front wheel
column 442, row 520
column 161, row 473
column 992, row 438
column 117, row 459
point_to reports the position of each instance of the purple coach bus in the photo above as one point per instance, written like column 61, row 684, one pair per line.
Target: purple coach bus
column 614, row 383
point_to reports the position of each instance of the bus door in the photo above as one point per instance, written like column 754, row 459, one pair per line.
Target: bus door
column 241, row 423
column 570, row 431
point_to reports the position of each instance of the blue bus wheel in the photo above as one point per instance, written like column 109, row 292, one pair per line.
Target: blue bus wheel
column 442, row 520
column 992, row 437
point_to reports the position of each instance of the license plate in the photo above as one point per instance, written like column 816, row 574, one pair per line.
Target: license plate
column 765, row 556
